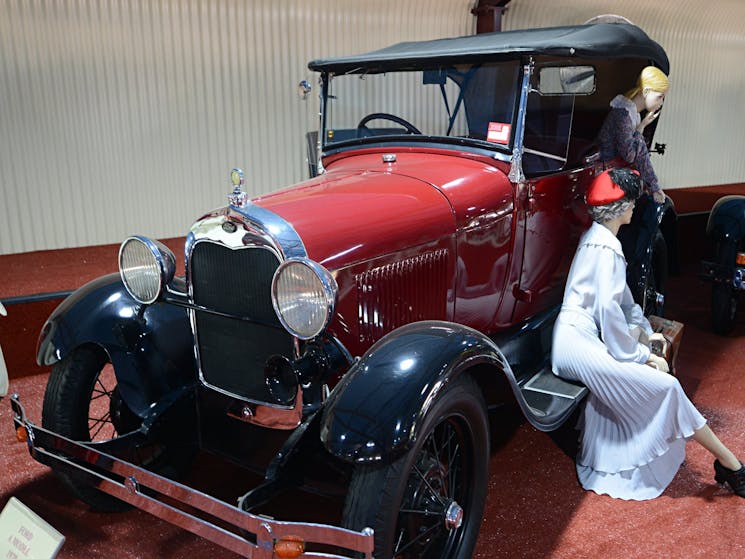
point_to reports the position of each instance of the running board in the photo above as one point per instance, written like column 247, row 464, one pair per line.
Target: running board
column 550, row 399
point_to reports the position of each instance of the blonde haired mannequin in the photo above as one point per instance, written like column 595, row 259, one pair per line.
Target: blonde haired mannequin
column 651, row 78
column 622, row 132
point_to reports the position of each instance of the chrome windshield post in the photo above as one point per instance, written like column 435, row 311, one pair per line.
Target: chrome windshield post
column 516, row 174
column 323, row 110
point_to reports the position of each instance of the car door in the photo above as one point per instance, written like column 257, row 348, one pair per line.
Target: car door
column 553, row 212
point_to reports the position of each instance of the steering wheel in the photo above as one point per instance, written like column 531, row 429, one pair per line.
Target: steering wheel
column 410, row 128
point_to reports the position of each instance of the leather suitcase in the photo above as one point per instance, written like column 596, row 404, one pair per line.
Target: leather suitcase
column 672, row 331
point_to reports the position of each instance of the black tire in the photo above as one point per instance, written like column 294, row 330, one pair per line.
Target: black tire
column 405, row 501
column 723, row 294
column 82, row 403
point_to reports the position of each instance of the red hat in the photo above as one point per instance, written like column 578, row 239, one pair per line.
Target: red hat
column 603, row 190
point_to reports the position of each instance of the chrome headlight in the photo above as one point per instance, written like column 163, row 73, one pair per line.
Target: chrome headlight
column 146, row 267
column 303, row 295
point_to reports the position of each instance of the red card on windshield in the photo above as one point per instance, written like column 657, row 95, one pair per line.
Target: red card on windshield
column 499, row 132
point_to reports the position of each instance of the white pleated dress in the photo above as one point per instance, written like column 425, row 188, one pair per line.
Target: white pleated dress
column 636, row 419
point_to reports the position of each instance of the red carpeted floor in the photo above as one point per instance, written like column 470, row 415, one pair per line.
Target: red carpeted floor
column 535, row 507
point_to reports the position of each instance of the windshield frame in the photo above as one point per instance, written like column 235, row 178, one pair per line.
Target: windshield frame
column 481, row 147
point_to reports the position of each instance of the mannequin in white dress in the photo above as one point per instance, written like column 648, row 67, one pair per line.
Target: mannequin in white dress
column 637, row 418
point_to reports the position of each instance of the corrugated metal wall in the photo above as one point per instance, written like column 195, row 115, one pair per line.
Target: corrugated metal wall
column 703, row 123
column 125, row 116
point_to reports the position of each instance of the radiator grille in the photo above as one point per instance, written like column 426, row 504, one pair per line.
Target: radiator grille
column 233, row 351
column 406, row 291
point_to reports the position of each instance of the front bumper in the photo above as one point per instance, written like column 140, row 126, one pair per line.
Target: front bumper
column 733, row 275
column 237, row 529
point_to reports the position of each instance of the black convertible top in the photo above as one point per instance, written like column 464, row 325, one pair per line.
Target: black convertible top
column 600, row 40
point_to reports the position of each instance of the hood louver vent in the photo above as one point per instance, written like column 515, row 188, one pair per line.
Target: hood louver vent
column 396, row 294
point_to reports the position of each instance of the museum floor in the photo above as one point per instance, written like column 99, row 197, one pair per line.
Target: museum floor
column 535, row 507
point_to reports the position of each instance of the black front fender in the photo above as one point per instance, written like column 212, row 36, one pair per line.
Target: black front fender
column 375, row 412
column 727, row 219
column 150, row 346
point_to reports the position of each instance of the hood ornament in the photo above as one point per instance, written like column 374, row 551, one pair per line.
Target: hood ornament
column 238, row 197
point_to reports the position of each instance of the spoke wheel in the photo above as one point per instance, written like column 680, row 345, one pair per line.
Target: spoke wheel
column 434, row 489
column 428, row 503
column 82, row 403
column 108, row 415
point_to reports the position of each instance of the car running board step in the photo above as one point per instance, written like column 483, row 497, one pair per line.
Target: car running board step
column 551, row 399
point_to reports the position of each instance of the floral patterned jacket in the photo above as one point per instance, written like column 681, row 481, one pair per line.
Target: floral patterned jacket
column 618, row 137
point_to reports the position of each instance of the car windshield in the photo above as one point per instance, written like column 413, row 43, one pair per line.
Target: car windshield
column 462, row 103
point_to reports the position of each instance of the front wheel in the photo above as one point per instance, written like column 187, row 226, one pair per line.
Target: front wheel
column 428, row 503
column 723, row 294
column 82, row 403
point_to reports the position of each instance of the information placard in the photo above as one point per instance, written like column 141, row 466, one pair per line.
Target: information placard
column 25, row 535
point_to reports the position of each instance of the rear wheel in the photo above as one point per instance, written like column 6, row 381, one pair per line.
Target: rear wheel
column 723, row 294
column 428, row 503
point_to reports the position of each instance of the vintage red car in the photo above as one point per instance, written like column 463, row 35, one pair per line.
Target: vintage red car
column 358, row 326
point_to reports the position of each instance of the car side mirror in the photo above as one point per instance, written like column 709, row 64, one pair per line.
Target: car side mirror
column 566, row 80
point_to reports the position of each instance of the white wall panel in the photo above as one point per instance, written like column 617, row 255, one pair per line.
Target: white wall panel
column 703, row 123
column 125, row 116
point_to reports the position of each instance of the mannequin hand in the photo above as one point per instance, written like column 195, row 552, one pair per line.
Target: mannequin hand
column 659, row 340
column 659, row 196
column 651, row 116
column 658, row 363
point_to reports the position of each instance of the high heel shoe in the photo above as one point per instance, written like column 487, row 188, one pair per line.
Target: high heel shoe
column 734, row 478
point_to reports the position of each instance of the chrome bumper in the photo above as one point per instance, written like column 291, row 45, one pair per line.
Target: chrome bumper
column 141, row 488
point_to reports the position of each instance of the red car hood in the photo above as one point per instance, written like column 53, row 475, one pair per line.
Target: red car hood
column 362, row 207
